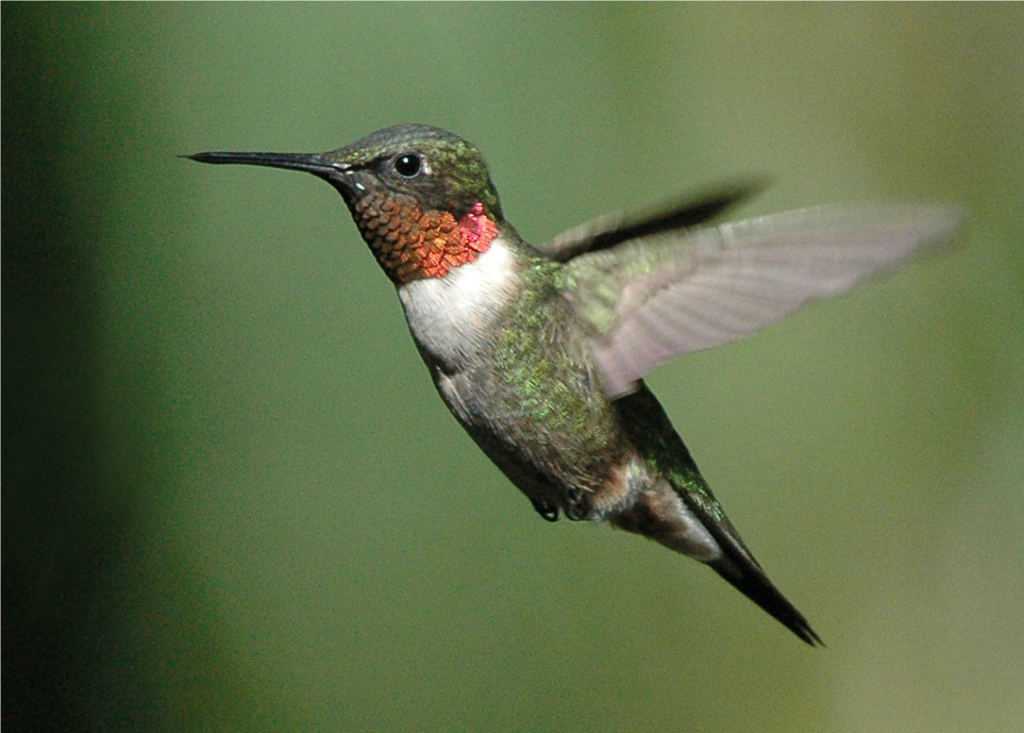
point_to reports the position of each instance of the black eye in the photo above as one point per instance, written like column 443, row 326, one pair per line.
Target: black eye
column 408, row 165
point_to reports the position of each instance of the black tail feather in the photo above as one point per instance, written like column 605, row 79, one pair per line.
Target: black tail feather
column 754, row 584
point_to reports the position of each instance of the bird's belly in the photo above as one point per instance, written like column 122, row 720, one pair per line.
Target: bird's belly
column 546, row 424
column 513, row 365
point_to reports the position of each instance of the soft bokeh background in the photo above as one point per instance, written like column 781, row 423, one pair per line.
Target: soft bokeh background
column 233, row 501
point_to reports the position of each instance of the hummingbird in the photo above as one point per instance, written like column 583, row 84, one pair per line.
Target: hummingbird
column 540, row 351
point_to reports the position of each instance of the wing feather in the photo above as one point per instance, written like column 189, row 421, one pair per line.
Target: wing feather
column 654, row 298
column 612, row 229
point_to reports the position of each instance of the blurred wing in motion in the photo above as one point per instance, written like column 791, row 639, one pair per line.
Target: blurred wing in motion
column 649, row 300
column 613, row 229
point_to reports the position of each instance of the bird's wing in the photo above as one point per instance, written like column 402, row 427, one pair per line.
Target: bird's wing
column 652, row 299
column 608, row 231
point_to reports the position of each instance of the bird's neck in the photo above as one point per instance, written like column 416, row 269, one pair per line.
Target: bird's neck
column 452, row 317
column 413, row 244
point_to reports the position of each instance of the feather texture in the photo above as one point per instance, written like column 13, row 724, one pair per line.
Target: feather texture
column 651, row 299
column 613, row 229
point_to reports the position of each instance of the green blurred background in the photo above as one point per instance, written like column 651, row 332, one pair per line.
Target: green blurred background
column 233, row 501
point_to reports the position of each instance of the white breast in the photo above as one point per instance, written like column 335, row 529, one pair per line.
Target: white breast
column 450, row 316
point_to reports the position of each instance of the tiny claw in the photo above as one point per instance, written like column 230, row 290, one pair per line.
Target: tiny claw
column 576, row 505
column 550, row 513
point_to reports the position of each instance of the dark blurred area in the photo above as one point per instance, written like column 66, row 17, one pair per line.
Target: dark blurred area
column 60, row 524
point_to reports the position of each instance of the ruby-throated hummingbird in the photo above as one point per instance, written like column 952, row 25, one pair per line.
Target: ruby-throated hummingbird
column 539, row 352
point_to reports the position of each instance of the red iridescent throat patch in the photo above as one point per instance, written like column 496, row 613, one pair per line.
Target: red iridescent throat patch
column 411, row 244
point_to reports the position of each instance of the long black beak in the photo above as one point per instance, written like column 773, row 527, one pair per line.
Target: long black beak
column 343, row 176
column 310, row 162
